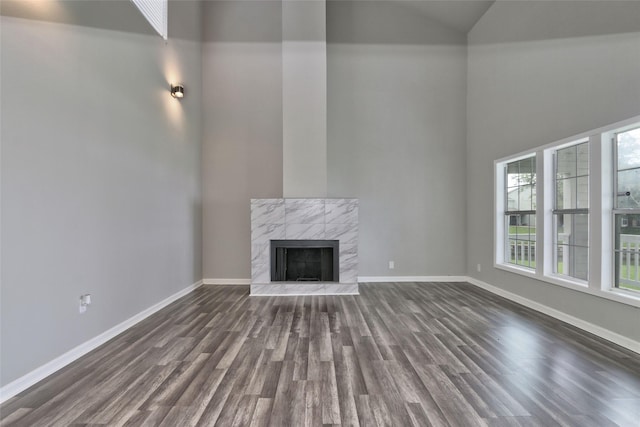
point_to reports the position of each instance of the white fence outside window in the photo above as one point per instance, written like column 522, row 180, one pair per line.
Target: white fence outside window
column 629, row 260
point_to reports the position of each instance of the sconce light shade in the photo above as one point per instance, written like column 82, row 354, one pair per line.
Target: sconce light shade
column 177, row 91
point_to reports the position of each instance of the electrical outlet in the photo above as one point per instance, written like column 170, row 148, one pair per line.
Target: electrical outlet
column 392, row 265
column 85, row 301
column 479, row 268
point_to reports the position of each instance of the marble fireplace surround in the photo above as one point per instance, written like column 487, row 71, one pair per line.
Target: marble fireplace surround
column 304, row 219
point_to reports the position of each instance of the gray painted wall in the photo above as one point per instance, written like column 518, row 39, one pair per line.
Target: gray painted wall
column 396, row 132
column 396, row 135
column 539, row 72
column 304, row 99
column 101, row 189
column 242, row 116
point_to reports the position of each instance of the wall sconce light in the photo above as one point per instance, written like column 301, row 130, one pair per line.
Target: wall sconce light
column 177, row 91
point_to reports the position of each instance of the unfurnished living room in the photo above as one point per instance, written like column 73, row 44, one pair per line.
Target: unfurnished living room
column 320, row 212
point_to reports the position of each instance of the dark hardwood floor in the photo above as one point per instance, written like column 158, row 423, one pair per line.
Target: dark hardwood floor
column 400, row 354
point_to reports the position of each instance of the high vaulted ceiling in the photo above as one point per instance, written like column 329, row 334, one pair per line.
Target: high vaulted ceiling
column 460, row 15
column 121, row 15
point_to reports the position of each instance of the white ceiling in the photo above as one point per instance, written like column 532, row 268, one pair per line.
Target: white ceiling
column 460, row 15
column 119, row 15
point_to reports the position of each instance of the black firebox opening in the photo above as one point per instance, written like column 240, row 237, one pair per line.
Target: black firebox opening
column 304, row 261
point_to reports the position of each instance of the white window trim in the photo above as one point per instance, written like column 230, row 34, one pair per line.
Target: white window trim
column 601, row 259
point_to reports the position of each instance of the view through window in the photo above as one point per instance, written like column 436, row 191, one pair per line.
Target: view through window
column 627, row 210
column 520, row 212
column 571, row 211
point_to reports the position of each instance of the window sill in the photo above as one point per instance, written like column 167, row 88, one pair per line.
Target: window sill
column 617, row 295
column 566, row 281
column 529, row 272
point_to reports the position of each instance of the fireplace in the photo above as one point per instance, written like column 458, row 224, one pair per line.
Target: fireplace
column 304, row 261
column 304, row 246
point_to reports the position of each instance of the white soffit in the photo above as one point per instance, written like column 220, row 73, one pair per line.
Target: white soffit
column 156, row 13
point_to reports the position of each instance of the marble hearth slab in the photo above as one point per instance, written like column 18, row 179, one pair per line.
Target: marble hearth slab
column 266, row 289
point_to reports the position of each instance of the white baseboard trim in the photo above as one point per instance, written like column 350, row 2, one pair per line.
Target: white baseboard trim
column 601, row 332
column 226, row 281
column 370, row 279
column 38, row 374
column 377, row 279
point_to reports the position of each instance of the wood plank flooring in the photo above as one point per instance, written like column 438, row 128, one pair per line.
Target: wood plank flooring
column 405, row 354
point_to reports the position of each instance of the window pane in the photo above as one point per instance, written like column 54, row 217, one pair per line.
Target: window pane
column 511, row 251
column 526, row 229
column 523, row 233
column 525, row 253
column 531, row 171
column 520, row 196
column 628, row 252
column 563, row 228
column 566, row 162
column 560, row 194
column 581, row 229
column 572, row 261
column 629, row 181
column 571, row 241
column 629, row 149
column 571, row 231
column 533, row 197
column 531, row 220
column 513, row 225
column 521, row 172
column 561, row 256
column 582, row 192
column 532, row 168
column 512, row 198
column 583, row 159
column 580, row 263
column 526, row 195
column 513, row 174
column 513, row 169
column 566, row 193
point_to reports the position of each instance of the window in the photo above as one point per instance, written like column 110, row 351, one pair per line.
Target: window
column 520, row 212
column 627, row 209
column 568, row 213
column 571, row 211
